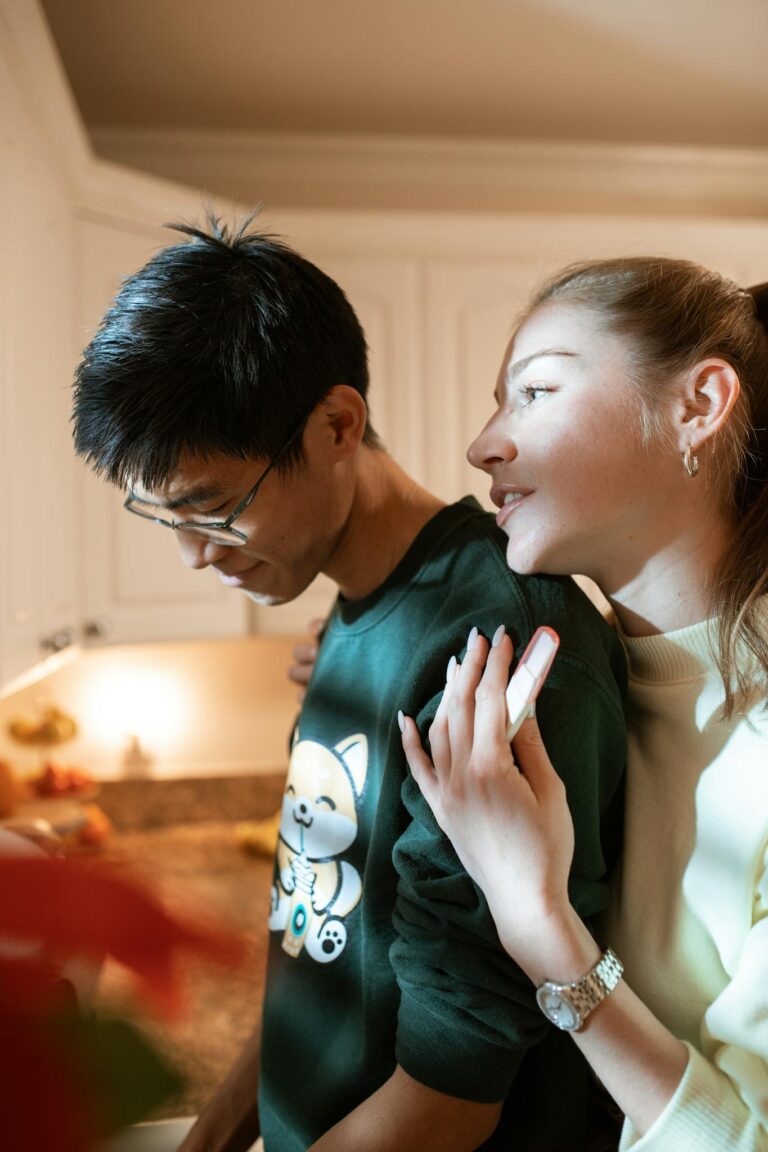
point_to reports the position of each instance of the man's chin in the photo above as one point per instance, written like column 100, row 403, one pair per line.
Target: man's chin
column 270, row 587
column 268, row 599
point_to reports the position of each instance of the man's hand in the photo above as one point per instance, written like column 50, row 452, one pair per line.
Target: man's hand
column 304, row 657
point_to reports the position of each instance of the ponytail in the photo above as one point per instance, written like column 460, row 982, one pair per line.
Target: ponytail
column 743, row 620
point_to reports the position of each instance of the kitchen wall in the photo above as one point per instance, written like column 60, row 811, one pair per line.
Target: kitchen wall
column 436, row 290
column 196, row 708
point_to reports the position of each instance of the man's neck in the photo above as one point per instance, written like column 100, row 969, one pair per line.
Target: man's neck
column 388, row 511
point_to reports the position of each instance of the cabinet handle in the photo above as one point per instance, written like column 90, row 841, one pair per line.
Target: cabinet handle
column 58, row 641
column 98, row 628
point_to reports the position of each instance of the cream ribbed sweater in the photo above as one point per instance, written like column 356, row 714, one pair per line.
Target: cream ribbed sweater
column 690, row 911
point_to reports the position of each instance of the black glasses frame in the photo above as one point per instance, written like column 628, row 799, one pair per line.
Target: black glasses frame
column 225, row 533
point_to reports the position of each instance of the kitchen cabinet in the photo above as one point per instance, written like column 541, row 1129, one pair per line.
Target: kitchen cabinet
column 437, row 305
column 437, row 294
column 385, row 292
column 74, row 567
column 37, row 478
column 133, row 580
column 133, row 584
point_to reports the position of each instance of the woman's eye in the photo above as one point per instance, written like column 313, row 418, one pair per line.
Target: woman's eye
column 533, row 392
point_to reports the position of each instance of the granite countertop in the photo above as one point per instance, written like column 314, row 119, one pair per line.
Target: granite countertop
column 140, row 804
column 180, row 836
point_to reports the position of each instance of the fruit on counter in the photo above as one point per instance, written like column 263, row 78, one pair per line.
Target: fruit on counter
column 49, row 726
column 61, row 780
column 96, row 829
column 259, row 837
column 10, row 790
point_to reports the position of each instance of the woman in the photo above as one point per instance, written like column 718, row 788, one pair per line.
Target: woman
column 630, row 444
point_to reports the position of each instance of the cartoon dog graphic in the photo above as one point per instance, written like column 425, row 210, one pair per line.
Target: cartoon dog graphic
column 313, row 889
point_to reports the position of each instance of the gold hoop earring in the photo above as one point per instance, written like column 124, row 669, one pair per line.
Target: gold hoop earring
column 690, row 463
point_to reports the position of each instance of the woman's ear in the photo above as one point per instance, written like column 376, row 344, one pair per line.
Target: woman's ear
column 710, row 390
column 343, row 418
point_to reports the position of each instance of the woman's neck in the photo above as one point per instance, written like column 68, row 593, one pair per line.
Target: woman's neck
column 672, row 587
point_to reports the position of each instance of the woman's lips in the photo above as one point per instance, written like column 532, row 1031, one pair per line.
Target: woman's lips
column 507, row 500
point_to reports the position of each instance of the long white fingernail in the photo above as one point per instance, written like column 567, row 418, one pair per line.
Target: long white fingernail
column 498, row 636
column 451, row 670
column 401, row 719
column 472, row 640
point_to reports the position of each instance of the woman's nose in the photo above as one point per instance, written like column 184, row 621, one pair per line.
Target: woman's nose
column 494, row 445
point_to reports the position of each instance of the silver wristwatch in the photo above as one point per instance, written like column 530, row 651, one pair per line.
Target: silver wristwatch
column 569, row 1005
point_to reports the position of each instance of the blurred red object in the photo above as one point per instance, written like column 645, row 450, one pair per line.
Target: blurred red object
column 84, row 907
column 56, row 1089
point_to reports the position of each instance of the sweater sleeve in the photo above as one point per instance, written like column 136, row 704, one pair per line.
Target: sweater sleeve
column 721, row 1103
column 467, row 1012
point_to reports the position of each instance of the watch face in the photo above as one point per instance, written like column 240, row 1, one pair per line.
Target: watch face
column 557, row 1009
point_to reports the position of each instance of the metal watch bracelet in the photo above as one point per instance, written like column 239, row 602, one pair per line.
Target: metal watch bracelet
column 568, row 1006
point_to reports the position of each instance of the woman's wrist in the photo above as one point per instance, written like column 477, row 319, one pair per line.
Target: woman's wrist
column 560, row 948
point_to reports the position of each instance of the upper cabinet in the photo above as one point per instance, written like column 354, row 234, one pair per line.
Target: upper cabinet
column 133, row 584
column 38, row 582
column 75, row 569
column 437, row 294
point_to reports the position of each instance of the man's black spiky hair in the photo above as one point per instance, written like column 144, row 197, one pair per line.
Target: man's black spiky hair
column 220, row 344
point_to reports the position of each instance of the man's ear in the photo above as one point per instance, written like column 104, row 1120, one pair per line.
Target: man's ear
column 710, row 390
column 342, row 418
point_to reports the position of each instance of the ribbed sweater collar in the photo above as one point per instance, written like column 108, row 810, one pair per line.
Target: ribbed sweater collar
column 681, row 655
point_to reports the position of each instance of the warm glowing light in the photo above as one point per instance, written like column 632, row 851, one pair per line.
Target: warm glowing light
column 128, row 703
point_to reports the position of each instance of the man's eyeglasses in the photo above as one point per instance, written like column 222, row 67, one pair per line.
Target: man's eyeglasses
column 220, row 531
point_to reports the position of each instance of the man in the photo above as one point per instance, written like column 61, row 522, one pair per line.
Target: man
column 226, row 391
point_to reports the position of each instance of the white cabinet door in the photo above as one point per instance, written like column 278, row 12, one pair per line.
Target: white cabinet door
column 37, row 559
column 386, row 295
column 437, row 328
column 472, row 303
column 133, row 579
column 471, row 306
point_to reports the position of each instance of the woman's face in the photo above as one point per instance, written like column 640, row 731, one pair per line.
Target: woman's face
column 575, row 486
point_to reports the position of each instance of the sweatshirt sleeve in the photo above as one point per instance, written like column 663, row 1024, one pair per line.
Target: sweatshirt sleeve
column 721, row 1103
column 467, row 1012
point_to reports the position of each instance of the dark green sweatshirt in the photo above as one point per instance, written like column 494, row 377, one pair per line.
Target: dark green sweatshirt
column 382, row 950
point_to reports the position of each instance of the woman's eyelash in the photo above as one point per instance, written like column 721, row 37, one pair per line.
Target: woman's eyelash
column 529, row 391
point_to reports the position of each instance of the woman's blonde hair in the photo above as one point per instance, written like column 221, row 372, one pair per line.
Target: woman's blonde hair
column 673, row 314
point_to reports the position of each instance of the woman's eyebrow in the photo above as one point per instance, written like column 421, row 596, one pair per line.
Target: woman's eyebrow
column 514, row 370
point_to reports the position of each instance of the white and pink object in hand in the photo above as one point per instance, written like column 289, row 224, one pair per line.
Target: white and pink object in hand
column 528, row 678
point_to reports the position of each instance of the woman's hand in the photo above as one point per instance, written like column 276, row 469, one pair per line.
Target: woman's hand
column 506, row 816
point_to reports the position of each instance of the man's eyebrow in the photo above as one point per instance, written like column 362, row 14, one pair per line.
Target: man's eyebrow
column 201, row 495
column 514, row 370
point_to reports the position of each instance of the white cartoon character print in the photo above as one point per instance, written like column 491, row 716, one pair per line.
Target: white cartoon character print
column 313, row 889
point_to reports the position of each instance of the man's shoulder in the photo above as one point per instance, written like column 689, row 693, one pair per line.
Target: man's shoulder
column 467, row 534
column 479, row 571
column 477, row 549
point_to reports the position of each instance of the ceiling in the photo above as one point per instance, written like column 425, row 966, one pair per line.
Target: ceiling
column 689, row 72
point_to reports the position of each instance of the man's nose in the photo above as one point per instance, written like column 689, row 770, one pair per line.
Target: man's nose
column 198, row 552
column 494, row 445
